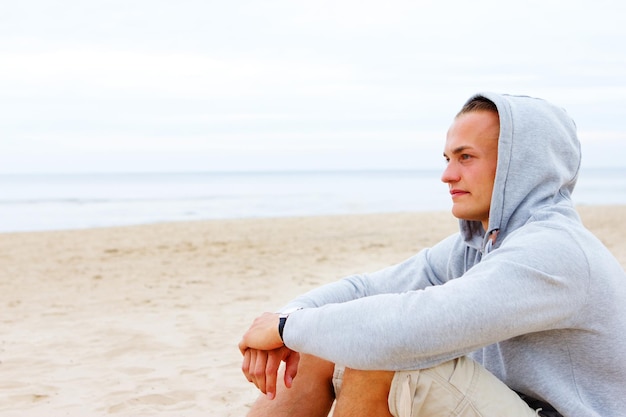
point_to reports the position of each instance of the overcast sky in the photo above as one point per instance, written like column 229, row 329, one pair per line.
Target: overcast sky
column 247, row 85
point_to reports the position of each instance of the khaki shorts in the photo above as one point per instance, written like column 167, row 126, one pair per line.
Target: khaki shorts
column 459, row 388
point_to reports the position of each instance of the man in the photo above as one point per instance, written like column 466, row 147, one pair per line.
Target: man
column 522, row 310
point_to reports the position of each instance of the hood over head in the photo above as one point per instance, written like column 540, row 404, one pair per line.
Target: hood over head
column 538, row 161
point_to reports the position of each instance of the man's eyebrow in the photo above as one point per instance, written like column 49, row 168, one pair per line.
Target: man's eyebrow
column 458, row 149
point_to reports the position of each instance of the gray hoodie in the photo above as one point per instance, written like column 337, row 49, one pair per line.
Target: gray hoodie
column 543, row 307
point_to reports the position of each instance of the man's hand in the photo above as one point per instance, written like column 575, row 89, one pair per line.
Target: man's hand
column 261, row 368
column 263, row 334
column 263, row 350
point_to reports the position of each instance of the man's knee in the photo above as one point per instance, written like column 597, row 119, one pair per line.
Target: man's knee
column 371, row 384
column 372, row 380
column 311, row 394
column 363, row 393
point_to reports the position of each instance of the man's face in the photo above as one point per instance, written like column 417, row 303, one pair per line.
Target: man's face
column 471, row 153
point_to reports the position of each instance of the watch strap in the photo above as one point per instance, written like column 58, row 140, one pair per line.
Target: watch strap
column 281, row 325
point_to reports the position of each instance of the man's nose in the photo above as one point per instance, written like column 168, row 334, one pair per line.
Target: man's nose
column 449, row 174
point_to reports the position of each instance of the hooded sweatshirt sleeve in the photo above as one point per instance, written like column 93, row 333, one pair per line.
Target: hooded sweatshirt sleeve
column 428, row 267
column 419, row 328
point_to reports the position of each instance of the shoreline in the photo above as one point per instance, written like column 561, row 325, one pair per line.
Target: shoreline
column 581, row 208
column 144, row 320
column 82, row 201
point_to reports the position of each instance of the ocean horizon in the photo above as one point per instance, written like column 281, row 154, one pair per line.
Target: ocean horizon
column 40, row 202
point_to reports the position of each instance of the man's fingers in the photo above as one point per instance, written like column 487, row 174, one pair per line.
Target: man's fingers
column 261, row 368
column 291, row 367
column 271, row 372
column 245, row 365
column 252, row 366
column 260, row 361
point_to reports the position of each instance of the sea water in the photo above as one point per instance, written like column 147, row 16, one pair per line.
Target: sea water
column 31, row 202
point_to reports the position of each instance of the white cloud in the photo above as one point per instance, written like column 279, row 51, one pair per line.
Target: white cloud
column 107, row 73
column 114, row 76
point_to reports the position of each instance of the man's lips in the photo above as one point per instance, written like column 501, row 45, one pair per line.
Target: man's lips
column 457, row 193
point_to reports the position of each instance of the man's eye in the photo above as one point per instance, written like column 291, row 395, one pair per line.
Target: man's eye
column 466, row 156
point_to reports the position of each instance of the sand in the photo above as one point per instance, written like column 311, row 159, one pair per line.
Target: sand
column 145, row 320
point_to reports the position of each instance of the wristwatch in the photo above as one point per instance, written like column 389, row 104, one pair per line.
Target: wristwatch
column 283, row 319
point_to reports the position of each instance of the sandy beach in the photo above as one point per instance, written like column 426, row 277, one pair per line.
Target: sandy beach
column 145, row 320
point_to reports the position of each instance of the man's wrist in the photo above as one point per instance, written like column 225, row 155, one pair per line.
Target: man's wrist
column 282, row 320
